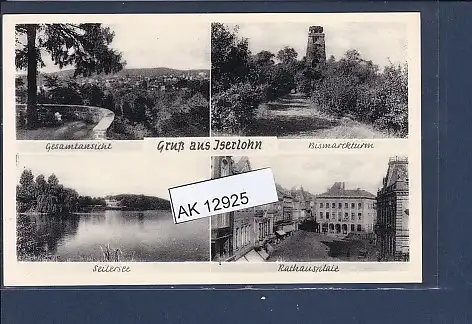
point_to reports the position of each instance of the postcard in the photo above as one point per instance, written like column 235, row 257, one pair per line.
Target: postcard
column 175, row 149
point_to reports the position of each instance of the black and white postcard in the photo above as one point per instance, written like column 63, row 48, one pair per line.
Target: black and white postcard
column 110, row 122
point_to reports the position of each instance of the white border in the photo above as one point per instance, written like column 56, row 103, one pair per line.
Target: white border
column 60, row 274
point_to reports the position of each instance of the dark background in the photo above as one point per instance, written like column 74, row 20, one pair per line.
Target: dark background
column 445, row 295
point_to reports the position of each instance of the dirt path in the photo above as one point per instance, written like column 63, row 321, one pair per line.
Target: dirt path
column 296, row 117
column 74, row 130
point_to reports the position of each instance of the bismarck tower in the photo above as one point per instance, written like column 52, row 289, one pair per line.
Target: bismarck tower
column 316, row 50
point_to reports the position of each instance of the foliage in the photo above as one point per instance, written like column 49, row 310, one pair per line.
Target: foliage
column 44, row 196
column 353, row 86
column 229, row 57
column 182, row 111
column 49, row 196
column 235, row 108
column 85, row 46
column 241, row 81
column 287, row 55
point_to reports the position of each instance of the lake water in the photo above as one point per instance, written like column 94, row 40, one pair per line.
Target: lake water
column 140, row 236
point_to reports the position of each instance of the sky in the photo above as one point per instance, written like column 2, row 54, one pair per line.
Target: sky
column 376, row 41
column 104, row 174
column 148, row 45
column 154, row 43
column 317, row 173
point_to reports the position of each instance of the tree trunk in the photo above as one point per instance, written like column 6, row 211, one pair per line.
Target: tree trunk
column 31, row 108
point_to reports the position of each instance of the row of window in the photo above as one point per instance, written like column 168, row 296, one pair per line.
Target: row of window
column 242, row 236
column 333, row 228
column 346, row 205
column 346, row 216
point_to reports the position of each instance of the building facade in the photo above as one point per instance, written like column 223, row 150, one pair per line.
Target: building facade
column 284, row 222
column 236, row 234
column 393, row 212
column 222, row 225
column 344, row 211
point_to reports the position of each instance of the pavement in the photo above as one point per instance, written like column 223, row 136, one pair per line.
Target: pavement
column 302, row 246
column 72, row 130
column 305, row 246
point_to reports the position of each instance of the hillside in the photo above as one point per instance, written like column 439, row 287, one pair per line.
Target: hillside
column 147, row 72
column 141, row 202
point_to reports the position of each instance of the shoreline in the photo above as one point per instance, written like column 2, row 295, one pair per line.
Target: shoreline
column 87, row 212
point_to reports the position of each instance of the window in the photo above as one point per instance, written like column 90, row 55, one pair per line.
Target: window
column 353, row 216
column 321, row 205
column 346, row 205
column 353, row 228
column 353, row 205
column 359, row 228
column 346, row 215
column 333, row 205
column 237, row 237
column 359, row 216
column 340, row 205
column 339, row 216
column 321, row 215
column 327, row 215
column 359, row 205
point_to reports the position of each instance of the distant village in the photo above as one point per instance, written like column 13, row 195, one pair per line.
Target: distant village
column 347, row 215
column 164, row 82
column 147, row 80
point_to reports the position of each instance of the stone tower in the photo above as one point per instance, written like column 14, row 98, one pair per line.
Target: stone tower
column 315, row 51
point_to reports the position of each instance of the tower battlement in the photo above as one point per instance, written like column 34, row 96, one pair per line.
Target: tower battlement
column 315, row 30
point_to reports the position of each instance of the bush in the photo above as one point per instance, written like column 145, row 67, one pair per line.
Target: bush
column 236, row 107
column 354, row 87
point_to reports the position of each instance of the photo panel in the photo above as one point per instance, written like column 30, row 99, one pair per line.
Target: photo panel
column 354, row 209
column 95, row 79
column 326, row 76
column 104, row 208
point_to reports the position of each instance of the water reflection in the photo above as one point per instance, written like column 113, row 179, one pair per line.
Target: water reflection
column 140, row 236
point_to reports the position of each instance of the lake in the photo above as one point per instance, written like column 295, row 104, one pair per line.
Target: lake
column 140, row 236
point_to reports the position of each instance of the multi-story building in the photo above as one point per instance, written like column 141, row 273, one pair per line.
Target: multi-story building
column 236, row 234
column 284, row 222
column 393, row 212
column 222, row 224
column 342, row 211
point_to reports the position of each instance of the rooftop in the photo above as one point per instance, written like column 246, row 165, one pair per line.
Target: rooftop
column 339, row 190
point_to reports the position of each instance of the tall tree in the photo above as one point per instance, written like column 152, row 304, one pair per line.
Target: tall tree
column 287, row 55
column 229, row 57
column 85, row 46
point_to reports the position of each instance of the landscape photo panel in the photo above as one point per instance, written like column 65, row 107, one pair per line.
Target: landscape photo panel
column 96, row 80
column 72, row 209
column 327, row 78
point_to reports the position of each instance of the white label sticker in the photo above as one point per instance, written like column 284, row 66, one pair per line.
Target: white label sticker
column 222, row 195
